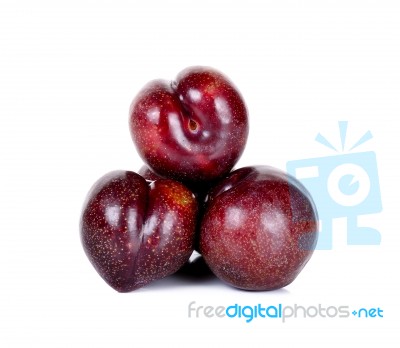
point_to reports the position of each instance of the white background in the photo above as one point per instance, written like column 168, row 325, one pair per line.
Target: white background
column 68, row 72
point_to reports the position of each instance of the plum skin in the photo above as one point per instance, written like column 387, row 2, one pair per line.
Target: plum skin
column 135, row 232
column 259, row 229
column 200, row 190
column 193, row 129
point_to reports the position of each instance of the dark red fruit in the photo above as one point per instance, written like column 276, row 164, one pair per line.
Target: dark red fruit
column 200, row 190
column 193, row 129
column 134, row 232
column 259, row 229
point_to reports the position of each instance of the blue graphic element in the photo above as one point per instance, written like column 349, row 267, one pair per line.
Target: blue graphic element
column 322, row 140
column 343, row 132
column 348, row 184
column 343, row 185
column 367, row 136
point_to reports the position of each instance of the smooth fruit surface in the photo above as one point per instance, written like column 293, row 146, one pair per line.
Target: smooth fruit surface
column 259, row 229
column 134, row 232
column 193, row 129
column 200, row 190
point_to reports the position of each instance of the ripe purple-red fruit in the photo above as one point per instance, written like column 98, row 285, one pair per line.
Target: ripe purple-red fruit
column 134, row 232
column 193, row 129
column 259, row 229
